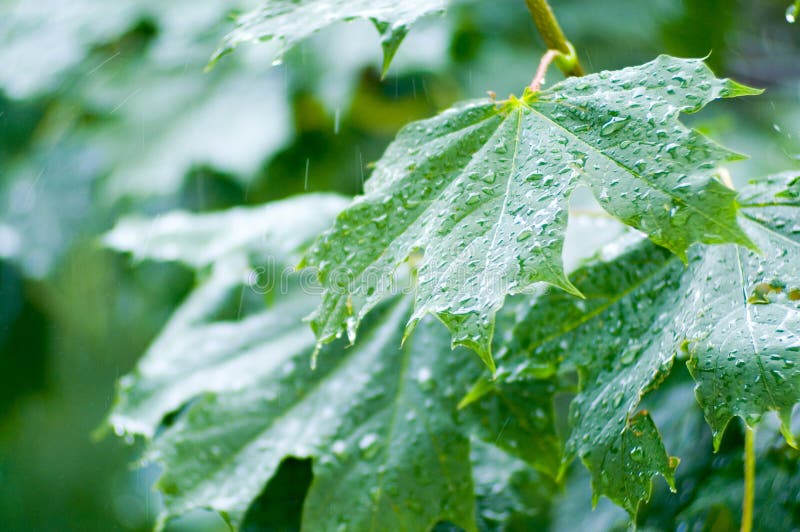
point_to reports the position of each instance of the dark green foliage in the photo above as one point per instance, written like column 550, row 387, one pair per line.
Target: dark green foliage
column 607, row 373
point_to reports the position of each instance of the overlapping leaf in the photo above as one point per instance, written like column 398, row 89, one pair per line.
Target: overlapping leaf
column 192, row 356
column 745, row 335
column 43, row 39
column 292, row 21
column 607, row 337
column 390, row 448
column 155, row 115
column 379, row 421
column 278, row 229
column 732, row 311
column 387, row 450
column 122, row 118
column 710, row 486
column 184, row 119
column 510, row 494
column 483, row 191
column 715, row 501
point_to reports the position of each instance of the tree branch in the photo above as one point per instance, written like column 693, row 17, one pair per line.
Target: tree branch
column 553, row 36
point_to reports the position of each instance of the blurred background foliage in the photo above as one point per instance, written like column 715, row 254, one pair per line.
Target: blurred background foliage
column 105, row 110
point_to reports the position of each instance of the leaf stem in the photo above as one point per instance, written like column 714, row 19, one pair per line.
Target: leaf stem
column 749, row 478
column 553, row 37
column 547, row 58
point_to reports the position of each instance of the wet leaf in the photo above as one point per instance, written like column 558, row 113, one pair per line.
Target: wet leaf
column 386, row 448
column 483, row 189
column 510, row 494
column 289, row 22
column 379, row 421
column 710, row 486
column 644, row 308
column 275, row 230
column 224, row 402
column 745, row 338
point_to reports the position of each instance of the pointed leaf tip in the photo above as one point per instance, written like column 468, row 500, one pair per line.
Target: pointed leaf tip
column 483, row 351
column 785, row 416
column 482, row 387
column 391, row 39
column 733, row 89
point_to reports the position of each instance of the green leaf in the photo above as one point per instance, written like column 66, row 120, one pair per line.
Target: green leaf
column 380, row 422
column 195, row 354
column 510, row 494
column 178, row 137
column 519, row 418
column 623, row 469
column 27, row 30
column 710, row 485
column 716, row 505
column 483, row 189
column 730, row 311
column 612, row 339
column 386, row 448
column 745, row 338
column 277, row 229
column 183, row 119
column 226, row 401
column 71, row 33
column 289, row 22
column 779, row 189
column 107, row 64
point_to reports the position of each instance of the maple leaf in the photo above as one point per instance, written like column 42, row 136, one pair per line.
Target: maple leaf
column 733, row 313
column 224, row 402
column 289, row 22
column 483, row 190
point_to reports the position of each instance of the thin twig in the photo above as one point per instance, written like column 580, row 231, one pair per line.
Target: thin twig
column 547, row 58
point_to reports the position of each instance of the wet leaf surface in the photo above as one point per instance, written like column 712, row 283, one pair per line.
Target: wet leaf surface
column 482, row 191
column 645, row 308
column 289, row 22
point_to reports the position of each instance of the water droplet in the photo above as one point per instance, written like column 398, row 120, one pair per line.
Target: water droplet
column 425, row 379
column 792, row 12
column 618, row 400
column 524, row 235
column 368, row 445
column 637, row 454
column 613, row 125
column 338, row 447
